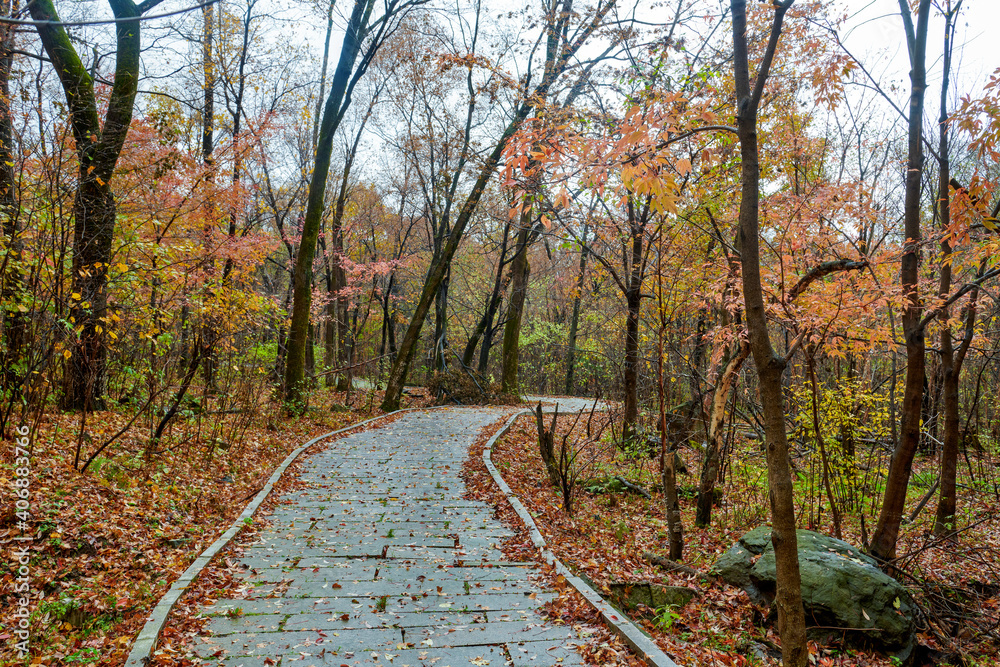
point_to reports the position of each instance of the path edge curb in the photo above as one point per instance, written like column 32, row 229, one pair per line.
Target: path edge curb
column 145, row 642
column 644, row 647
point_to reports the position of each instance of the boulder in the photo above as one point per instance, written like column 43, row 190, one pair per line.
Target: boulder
column 843, row 590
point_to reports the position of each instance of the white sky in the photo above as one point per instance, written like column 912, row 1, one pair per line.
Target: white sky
column 874, row 34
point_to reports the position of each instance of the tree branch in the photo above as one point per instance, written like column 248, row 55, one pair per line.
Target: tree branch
column 820, row 271
column 965, row 289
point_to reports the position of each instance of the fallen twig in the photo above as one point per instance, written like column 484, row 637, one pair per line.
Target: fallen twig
column 669, row 565
column 635, row 488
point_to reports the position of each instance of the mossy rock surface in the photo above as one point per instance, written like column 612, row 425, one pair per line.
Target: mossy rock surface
column 841, row 588
column 633, row 595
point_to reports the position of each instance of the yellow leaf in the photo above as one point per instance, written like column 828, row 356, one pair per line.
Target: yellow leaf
column 76, row 296
column 67, row 354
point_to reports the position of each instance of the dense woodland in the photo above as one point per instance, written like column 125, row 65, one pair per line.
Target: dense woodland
column 711, row 213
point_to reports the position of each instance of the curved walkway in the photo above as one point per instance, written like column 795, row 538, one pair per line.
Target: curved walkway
column 380, row 561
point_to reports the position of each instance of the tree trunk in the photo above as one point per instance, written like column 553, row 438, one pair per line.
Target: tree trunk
column 440, row 356
column 330, row 332
column 951, row 361
column 98, row 147
column 208, row 64
column 716, row 420
column 574, row 322
column 791, row 615
column 492, row 304
column 668, row 450
column 343, row 327
column 13, row 326
column 883, row 545
column 633, row 304
column 519, row 269
column 336, row 103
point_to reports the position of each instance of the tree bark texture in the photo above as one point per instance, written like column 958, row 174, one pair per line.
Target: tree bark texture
column 298, row 332
column 98, row 147
column 883, row 544
column 519, row 270
column 791, row 615
column 574, row 322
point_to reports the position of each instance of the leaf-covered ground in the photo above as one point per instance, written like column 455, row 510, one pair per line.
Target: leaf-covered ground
column 609, row 533
column 107, row 544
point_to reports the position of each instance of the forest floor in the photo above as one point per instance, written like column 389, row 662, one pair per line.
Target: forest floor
column 106, row 544
column 609, row 532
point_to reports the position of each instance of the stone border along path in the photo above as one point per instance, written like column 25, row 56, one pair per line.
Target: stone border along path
column 380, row 561
column 620, row 624
column 145, row 642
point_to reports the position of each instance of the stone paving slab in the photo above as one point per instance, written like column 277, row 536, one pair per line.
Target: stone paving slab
column 381, row 561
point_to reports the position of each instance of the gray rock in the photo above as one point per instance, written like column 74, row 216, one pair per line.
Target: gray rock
column 841, row 588
column 734, row 568
column 633, row 594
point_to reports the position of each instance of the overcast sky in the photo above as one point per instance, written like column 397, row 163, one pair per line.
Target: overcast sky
column 874, row 34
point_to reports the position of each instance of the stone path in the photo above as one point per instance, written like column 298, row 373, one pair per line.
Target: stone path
column 566, row 404
column 382, row 562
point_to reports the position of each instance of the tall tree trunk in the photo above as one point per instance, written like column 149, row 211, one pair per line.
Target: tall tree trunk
column 208, row 64
column 330, row 357
column 390, row 318
column 945, row 519
column 791, row 615
column 883, row 545
column 519, row 271
column 330, row 327
column 343, row 326
column 336, row 103
column 98, row 147
column 440, row 353
column 489, row 331
column 574, row 322
column 13, row 326
column 633, row 305
column 208, row 327
column 668, row 456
